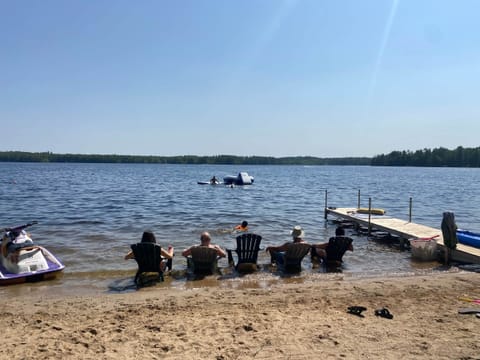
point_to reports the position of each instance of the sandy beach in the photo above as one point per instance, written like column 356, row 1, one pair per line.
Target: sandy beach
column 284, row 321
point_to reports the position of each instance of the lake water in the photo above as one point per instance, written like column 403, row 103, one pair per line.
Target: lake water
column 89, row 214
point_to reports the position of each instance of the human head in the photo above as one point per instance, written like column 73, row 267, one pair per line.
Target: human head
column 205, row 238
column 339, row 231
column 244, row 223
column 148, row 237
column 297, row 232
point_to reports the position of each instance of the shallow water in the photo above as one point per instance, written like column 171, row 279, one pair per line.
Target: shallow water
column 89, row 214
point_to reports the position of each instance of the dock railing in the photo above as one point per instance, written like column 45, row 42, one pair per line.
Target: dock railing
column 370, row 207
column 402, row 228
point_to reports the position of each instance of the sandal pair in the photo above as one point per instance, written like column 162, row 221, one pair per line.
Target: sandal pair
column 383, row 312
column 356, row 310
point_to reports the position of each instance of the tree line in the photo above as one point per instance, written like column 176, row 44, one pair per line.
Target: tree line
column 459, row 157
column 20, row 156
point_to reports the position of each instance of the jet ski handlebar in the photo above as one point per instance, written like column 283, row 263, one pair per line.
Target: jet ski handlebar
column 21, row 227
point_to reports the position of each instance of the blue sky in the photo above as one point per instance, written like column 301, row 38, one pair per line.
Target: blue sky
column 252, row 77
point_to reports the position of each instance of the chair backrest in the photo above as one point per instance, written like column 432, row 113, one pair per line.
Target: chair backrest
column 204, row 259
column 148, row 257
column 248, row 246
column 294, row 255
column 336, row 248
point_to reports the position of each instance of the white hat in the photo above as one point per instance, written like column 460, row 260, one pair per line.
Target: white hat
column 297, row 232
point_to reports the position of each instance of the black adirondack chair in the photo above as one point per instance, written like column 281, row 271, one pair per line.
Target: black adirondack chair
column 203, row 260
column 248, row 246
column 148, row 257
column 336, row 248
column 294, row 255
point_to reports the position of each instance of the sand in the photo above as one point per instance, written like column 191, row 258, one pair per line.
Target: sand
column 284, row 321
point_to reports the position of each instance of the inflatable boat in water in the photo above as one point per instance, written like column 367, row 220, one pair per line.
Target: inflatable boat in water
column 209, row 182
column 21, row 260
column 241, row 179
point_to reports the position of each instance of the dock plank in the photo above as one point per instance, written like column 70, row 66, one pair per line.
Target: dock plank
column 406, row 230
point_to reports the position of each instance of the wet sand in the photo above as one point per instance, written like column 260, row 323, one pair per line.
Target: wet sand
column 281, row 321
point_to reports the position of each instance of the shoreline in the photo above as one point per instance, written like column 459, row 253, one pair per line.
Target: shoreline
column 296, row 320
column 122, row 281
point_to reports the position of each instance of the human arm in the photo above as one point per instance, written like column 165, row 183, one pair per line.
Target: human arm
column 167, row 254
column 220, row 251
column 318, row 252
column 187, row 252
column 129, row 255
column 271, row 249
column 350, row 245
column 320, row 246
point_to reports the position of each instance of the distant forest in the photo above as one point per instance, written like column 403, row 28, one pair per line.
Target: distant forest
column 459, row 157
column 19, row 156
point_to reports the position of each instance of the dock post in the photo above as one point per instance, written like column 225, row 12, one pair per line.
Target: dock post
column 358, row 199
column 325, row 208
column 410, row 211
column 369, row 216
column 449, row 233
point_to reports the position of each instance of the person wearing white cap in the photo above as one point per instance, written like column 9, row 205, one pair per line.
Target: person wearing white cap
column 276, row 252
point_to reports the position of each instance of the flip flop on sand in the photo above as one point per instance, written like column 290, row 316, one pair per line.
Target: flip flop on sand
column 383, row 312
column 469, row 311
column 356, row 310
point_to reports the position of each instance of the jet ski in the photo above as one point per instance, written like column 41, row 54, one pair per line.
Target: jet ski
column 22, row 260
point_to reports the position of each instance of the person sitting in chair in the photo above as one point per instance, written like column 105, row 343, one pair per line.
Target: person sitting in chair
column 149, row 237
column 205, row 240
column 277, row 252
column 333, row 251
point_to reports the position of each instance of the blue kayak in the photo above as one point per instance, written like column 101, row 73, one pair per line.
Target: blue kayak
column 468, row 238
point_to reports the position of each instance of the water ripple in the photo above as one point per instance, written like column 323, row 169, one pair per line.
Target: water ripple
column 89, row 214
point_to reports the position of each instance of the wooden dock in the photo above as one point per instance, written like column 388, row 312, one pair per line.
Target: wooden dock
column 405, row 230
